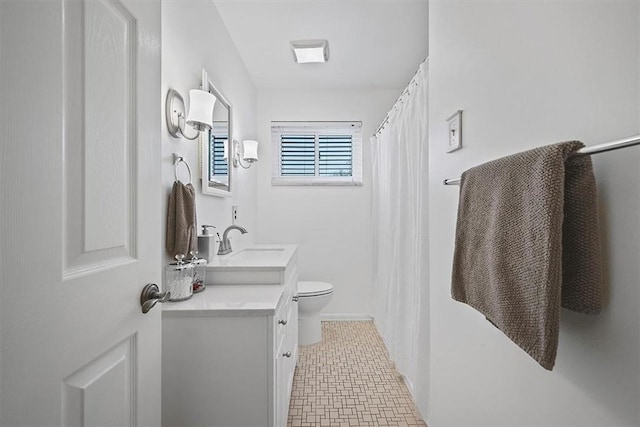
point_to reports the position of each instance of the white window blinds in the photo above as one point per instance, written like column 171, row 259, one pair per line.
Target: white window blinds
column 218, row 165
column 317, row 153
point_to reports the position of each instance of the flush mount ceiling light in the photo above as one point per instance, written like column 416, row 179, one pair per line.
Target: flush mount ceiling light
column 306, row 51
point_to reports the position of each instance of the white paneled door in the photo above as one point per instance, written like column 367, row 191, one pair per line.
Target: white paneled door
column 80, row 109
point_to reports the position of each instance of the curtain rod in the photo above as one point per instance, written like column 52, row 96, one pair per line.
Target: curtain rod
column 406, row 90
column 585, row 151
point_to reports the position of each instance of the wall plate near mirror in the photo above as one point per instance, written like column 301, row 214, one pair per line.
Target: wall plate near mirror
column 215, row 147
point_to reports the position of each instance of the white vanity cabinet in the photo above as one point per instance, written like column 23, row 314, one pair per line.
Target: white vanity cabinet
column 286, row 354
column 229, row 353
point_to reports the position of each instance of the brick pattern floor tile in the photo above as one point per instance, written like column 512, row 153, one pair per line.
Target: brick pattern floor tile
column 348, row 380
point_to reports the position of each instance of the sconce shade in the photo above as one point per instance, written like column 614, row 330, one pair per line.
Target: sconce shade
column 250, row 150
column 201, row 109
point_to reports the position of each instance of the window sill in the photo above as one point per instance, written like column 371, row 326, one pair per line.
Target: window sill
column 313, row 183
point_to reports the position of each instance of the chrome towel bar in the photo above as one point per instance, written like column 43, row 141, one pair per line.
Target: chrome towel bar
column 585, row 151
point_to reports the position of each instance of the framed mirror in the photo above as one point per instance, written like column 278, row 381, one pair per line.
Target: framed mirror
column 216, row 147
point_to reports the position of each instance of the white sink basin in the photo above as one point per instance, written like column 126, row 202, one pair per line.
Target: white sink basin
column 260, row 264
column 263, row 256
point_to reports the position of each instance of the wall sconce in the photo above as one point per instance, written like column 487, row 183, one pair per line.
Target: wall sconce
column 249, row 153
column 200, row 115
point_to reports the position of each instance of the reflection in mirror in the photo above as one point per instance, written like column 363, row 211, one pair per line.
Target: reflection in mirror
column 215, row 145
column 217, row 142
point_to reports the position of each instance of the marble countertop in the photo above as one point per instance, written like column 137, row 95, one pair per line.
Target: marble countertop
column 228, row 300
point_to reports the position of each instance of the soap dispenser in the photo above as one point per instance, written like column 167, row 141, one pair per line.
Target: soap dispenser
column 207, row 243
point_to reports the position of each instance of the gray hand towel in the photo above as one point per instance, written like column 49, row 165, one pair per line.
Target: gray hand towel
column 527, row 241
column 181, row 220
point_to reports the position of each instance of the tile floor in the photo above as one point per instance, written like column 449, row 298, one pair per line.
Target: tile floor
column 348, row 380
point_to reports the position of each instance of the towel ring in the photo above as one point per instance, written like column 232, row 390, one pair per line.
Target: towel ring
column 176, row 161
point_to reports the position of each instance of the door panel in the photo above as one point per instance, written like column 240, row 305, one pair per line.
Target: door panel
column 102, row 392
column 80, row 223
column 100, row 138
column 109, row 137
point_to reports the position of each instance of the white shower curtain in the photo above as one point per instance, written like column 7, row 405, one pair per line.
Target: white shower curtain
column 399, row 219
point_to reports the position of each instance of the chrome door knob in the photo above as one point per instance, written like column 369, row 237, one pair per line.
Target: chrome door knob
column 282, row 322
column 287, row 354
column 295, row 298
column 151, row 295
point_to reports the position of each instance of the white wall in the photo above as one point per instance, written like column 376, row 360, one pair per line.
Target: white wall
column 3, row 149
column 528, row 74
column 331, row 224
column 194, row 37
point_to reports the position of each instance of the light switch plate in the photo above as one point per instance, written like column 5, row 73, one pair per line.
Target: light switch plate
column 455, row 131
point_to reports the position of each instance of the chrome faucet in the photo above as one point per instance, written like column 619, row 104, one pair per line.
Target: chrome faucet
column 225, row 244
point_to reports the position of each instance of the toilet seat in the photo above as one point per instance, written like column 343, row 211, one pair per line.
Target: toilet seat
column 314, row 289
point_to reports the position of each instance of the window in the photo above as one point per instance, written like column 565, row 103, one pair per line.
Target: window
column 317, row 153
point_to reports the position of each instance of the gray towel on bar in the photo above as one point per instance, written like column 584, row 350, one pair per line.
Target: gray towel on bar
column 527, row 241
column 181, row 220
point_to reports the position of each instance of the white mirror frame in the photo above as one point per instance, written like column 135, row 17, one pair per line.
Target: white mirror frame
column 204, row 147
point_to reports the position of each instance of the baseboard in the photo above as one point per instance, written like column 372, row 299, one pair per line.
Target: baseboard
column 336, row 317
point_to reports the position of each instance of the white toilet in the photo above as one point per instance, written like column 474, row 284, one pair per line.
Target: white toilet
column 312, row 297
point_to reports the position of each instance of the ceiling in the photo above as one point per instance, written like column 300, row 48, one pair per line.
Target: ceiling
column 373, row 44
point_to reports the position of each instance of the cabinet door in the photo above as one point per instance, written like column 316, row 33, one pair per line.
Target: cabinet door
column 281, row 378
column 292, row 283
column 293, row 329
column 291, row 347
